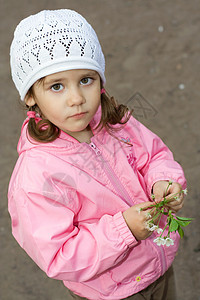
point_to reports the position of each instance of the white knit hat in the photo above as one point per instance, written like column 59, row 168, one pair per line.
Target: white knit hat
column 53, row 41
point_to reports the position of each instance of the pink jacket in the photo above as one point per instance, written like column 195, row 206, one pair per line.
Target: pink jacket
column 66, row 201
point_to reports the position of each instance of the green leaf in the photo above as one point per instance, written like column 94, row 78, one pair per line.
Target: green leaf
column 183, row 223
column 184, row 219
column 173, row 225
column 181, row 232
column 160, row 204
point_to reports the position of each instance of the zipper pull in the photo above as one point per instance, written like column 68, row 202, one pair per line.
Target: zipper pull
column 95, row 149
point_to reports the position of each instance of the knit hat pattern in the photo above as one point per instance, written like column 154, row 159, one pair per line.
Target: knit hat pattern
column 52, row 41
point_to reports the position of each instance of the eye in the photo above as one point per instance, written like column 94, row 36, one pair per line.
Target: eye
column 57, row 87
column 86, row 81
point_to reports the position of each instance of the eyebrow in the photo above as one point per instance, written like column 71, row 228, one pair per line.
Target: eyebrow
column 51, row 81
column 90, row 73
column 60, row 79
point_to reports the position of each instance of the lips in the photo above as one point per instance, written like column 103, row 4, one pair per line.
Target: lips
column 78, row 116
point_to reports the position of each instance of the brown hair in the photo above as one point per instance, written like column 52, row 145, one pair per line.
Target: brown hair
column 112, row 113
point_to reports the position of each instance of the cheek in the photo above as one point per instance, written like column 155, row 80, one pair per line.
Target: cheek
column 95, row 105
column 96, row 99
column 50, row 112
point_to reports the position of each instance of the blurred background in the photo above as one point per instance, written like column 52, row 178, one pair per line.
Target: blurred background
column 153, row 64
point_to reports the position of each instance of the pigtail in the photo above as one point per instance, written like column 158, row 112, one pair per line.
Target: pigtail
column 41, row 130
column 112, row 113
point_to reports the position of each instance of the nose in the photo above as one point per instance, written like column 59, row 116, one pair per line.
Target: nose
column 75, row 97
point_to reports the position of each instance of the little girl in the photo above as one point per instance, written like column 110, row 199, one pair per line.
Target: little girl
column 86, row 167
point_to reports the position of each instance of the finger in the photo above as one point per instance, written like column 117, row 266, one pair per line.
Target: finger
column 159, row 189
column 149, row 232
column 176, row 201
column 175, row 188
column 159, row 194
column 175, row 196
column 176, row 205
column 144, row 206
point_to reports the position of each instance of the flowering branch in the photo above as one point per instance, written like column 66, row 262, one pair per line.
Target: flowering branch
column 174, row 223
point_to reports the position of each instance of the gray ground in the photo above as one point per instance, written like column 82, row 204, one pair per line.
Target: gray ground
column 152, row 54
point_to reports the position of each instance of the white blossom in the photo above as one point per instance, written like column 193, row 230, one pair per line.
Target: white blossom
column 169, row 242
column 159, row 230
column 148, row 215
column 150, row 226
column 185, row 191
column 159, row 241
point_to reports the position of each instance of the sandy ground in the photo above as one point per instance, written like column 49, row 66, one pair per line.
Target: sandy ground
column 152, row 55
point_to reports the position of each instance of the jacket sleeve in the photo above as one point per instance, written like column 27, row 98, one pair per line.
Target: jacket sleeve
column 154, row 160
column 63, row 248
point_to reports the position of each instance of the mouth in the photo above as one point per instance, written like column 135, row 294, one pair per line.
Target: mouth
column 78, row 116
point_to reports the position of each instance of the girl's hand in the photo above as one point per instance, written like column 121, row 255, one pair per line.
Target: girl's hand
column 137, row 220
column 174, row 193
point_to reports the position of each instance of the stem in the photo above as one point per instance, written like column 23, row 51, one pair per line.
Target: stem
column 145, row 208
column 162, row 210
column 169, row 199
column 170, row 214
column 164, row 229
column 156, row 216
column 167, row 190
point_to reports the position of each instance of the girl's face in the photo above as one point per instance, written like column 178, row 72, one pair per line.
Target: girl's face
column 68, row 99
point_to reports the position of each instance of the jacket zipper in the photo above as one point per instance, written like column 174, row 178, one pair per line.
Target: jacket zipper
column 112, row 176
column 124, row 195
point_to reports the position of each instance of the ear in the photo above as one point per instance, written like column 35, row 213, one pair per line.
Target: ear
column 29, row 100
